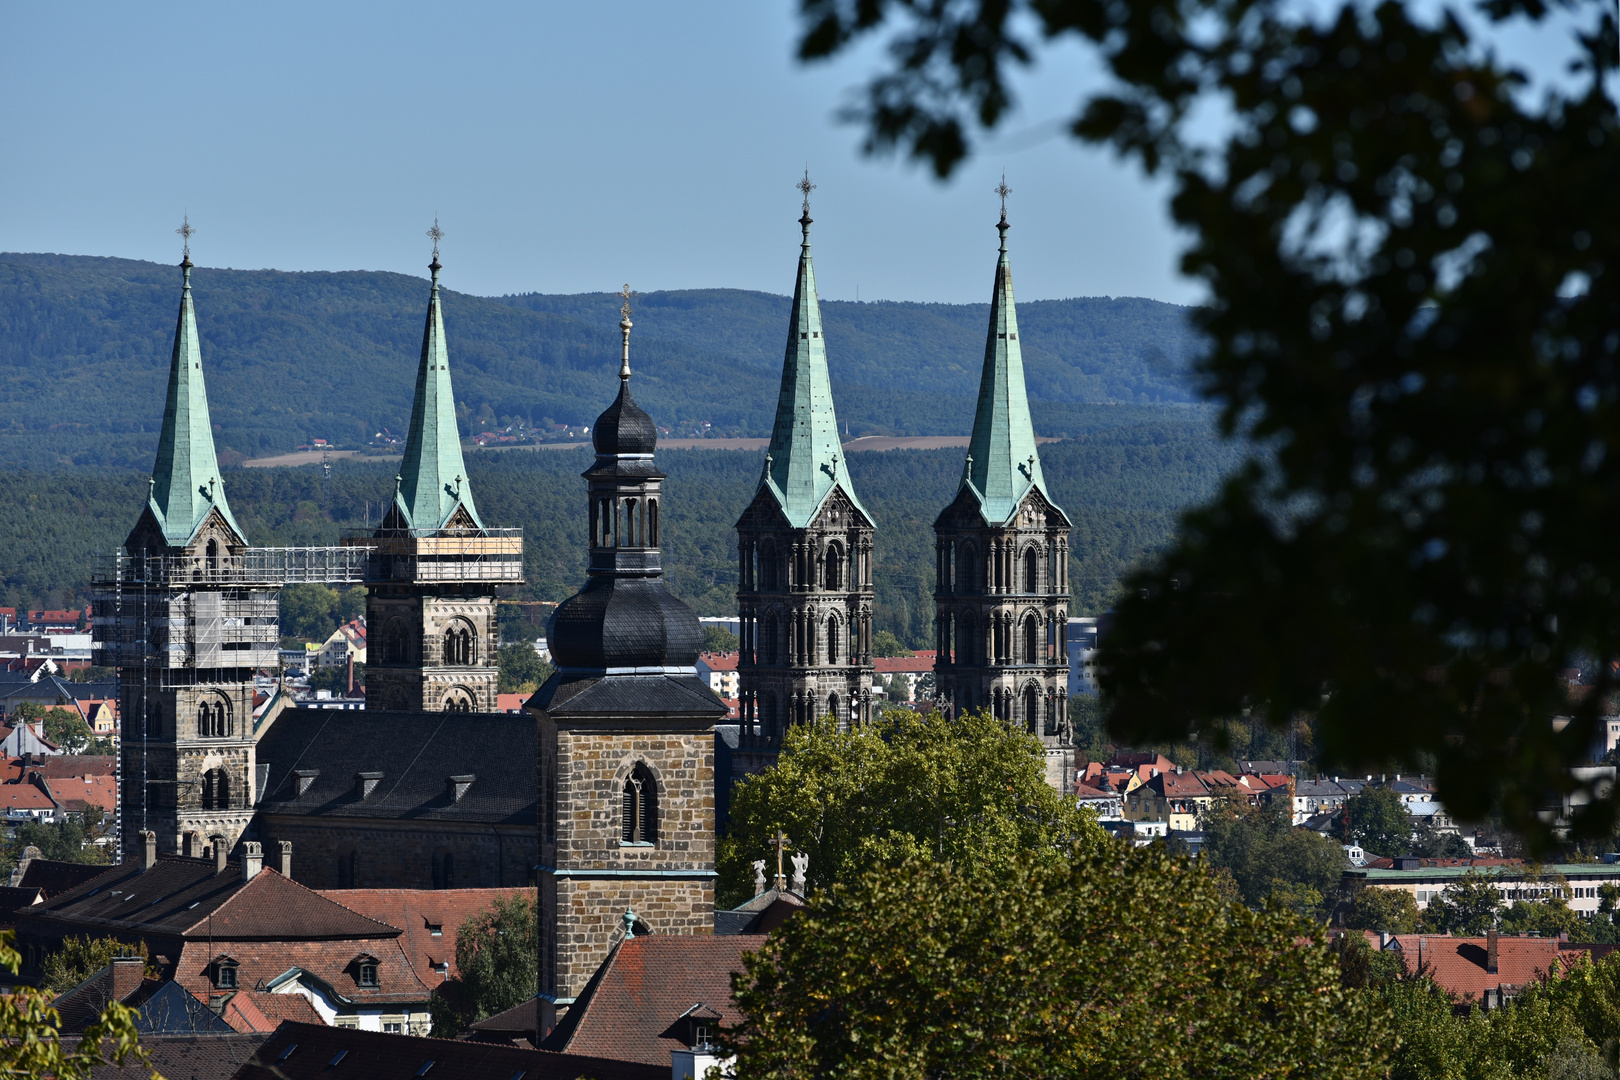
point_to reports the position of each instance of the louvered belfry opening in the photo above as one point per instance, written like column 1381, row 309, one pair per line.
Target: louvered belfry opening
column 640, row 822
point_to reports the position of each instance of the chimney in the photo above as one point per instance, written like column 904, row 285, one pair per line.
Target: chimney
column 1383, row 940
column 192, row 845
column 1491, row 938
column 219, row 853
column 148, row 849
column 252, row 859
column 286, row 859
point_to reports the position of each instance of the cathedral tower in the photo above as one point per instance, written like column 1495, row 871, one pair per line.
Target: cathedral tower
column 180, row 617
column 434, row 568
column 1002, row 550
column 804, row 591
column 627, row 829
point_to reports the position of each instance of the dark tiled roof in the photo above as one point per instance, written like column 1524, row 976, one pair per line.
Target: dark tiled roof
column 170, row 1010
column 516, row 1026
column 186, row 1057
column 306, row 1052
column 58, row 766
column 418, row 912
column 416, row 753
column 631, row 1006
column 628, row 695
column 15, row 897
column 178, row 895
column 119, row 981
column 54, row 878
column 760, row 915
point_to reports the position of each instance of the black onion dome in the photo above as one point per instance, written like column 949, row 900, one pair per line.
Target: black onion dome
column 625, row 623
column 624, row 427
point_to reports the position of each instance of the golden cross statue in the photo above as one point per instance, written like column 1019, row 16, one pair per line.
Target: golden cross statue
column 1003, row 190
column 627, row 294
column 780, row 843
column 806, row 187
column 186, row 233
column 435, row 234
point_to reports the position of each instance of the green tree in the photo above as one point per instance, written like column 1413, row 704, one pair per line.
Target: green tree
column 717, row 639
column 884, row 643
column 66, row 728
column 497, row 965
column 897, row 689
column 521, row 669
column 1377, row 820
column 58, row 841
column 78, row 958
column 934, row 969
column 970, row 791
column 336, row 679
column 1467, row 906
column 1548, row 917
column 1392, row 911
column 312, row 612
column 1410, row 269
column 1269, row 858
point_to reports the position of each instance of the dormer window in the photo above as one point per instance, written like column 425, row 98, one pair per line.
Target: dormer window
column 225, row 973
column 456, row 786
column 365, row 783
column 303, row 779
column 366, row 971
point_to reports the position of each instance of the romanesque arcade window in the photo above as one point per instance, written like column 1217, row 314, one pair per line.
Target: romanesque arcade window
column 640, row 812
column 458, row 645
column 213, row 718
column 216, row 790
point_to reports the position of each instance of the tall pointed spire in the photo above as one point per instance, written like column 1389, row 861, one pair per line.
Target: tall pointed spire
column 806, row 460
column 185, row 480
column 432, row 483
column 1003, row 462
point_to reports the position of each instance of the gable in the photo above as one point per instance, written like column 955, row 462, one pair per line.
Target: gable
column 764, row 512
column 839, row 511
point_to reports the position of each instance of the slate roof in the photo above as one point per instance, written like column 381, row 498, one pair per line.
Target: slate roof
column 308, row 1052
column 186, row 486
column 631, row 1006
column 416, row 752
column 419, row 912
column 433, row 475
column 514, row 1027
column 170, row 1010
column 760, row 915
column 186, row 1057
column 183, row 897
column 627, row 695
column 52, row 878
column 805, row 462
column 120, row 980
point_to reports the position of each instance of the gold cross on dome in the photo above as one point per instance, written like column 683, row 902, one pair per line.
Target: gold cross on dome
column 186, row 232
column 806, row 187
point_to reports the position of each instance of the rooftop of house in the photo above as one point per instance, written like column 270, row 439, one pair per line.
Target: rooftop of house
column 257, row 1010
column 52, row 878
column 184, row 897
column 920, row 662
column 186, row 1057
column 633, row 1007
column 314, row 758
column 760, row 915
column 312, row 1052
column 83, row 792
column 429, row 918
column 24, row 797
column 1458, row 964
column 718, row 661
column 331, row 967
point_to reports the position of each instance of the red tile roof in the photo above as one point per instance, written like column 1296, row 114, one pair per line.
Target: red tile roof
column 921, row 662
column 80, row 792
column 24, row 797
column 306, row 1052
column 719, row 661
column 419, row 912
column 332, row 962
column 243, row 1015
column 1458, row 963
column 510, row 702
column 645, row 986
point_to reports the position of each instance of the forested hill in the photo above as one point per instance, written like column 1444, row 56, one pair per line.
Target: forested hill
column 290, row 357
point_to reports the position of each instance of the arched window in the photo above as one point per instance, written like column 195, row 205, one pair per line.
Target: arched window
column 1032, row 640
column 967, row 568
column 458, row 644
column 216, row 790
column 154, row 720
column 832, row 706
column 768, row 643
column 832, row 640
column 1031, row 571
column 213, row 718
column 213, row 554
column 767, row 566
column 652, row 522
column 396, row 636
column 444, row 869
column 1032, row 709
column 833, row 570
column 630, row 508
column 348, row 868
column 458, row 700
column 640, row 812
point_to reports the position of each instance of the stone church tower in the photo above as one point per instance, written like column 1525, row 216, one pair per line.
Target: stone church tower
column 434, row 568
column 1002, row 550
column 187, row 620
column 804, row 591
column 627, row 827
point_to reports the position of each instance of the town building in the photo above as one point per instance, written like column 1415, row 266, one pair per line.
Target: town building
column 719, row 671
column 804, row 592
column 1002, row 552
column 434, row 568
column 1579, row 884
column 626, row 730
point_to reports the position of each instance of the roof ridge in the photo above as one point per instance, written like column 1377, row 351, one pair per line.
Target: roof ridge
column 251, row 884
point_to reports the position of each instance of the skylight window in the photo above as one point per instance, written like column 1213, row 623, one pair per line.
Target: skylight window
column 426, row 1065
column 339, row 1056
column 287, row 1053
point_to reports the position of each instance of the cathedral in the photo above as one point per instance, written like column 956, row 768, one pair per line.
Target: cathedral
column 603, row 794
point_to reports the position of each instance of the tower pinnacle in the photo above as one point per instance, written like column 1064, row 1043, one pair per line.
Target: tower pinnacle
column 186, row 232
column 1002, row 226
column 806, row 187
column 624, row 329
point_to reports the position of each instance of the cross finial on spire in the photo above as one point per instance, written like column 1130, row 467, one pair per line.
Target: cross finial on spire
column 1003, row 190
column 435, row 234
column 186, row 233
column 806, row 187
column 624, row 328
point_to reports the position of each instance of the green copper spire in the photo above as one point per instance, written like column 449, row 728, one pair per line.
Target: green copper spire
column 185, row 481
column 432, row 480
column 806, row 461
column 1003, row 462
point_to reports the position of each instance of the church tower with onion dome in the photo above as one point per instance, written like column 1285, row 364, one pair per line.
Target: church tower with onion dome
column 804, row 587
column 1002, row 590
column 627, row 814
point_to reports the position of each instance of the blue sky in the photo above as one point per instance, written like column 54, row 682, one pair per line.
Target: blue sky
column 565, row 147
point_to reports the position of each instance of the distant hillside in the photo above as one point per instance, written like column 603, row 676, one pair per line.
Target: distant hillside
column 85, row 342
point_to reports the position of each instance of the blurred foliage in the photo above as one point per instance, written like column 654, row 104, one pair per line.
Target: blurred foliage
column 497, row 965
column 717, row 639
column 31, row 1042
column 521, row 669
column 78, row 958
column 1269, row 859
column 313, row 612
